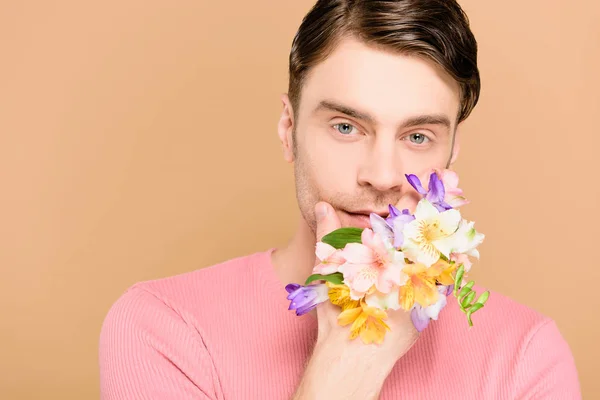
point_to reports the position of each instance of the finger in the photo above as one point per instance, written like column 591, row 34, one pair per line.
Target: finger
column 327, row 219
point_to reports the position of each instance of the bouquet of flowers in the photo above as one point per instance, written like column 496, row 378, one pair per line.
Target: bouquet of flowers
column 404, row 261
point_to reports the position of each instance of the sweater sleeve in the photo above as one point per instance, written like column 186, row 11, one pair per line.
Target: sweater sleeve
column 547, row 368
column 148, row 351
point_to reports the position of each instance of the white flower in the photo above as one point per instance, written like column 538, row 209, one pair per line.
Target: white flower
column 467, row 239
column 430, row 234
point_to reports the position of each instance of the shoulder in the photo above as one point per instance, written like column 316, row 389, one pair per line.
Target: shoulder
column 502, row 319
column 503, row 329
column 507, row 315
column 151, row 344
column 190, row 290
column 525, row 343
column 185, row 300
column 180, row 300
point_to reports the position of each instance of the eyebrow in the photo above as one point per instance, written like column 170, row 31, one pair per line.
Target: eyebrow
column 425, row 119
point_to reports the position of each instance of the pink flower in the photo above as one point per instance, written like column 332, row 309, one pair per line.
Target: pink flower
column 461, row 258
column 454, row 195
column 331, row 259
column 370, row 265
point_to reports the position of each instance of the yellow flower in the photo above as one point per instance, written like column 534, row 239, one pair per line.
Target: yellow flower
column 420, row 286
column 367, row 322
column 443, row 270
column 340, row 296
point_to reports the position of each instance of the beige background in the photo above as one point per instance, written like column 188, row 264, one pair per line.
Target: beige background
column 136, row 135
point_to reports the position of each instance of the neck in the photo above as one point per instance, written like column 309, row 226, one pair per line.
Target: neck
column 294, row 262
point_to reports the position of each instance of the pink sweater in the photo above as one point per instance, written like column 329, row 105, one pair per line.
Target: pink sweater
column 224, row 332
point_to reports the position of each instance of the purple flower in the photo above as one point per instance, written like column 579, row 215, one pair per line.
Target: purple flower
column 421, row 316
column 436, row 193
column 397, row 219
column 305, row 298
column 392, row 227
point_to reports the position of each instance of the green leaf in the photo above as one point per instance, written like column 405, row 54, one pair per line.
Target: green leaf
column 474, row 308
column 466, row 289
column 341, row 237
column 458, row 278
column 468, row 299
column 483, row 298
column 336, row 278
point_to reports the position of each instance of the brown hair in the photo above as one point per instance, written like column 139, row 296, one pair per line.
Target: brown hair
column 435, row 29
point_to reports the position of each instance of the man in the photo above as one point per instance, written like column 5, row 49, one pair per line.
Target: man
column 378, row 89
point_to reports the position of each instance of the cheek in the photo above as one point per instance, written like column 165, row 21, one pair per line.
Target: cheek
column 418, row 162
column 333, row 167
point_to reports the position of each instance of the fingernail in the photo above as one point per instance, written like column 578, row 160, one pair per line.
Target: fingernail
column 321, row 211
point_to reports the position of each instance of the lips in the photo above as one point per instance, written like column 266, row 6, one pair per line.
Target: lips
column 361, row 219
column 368, row 213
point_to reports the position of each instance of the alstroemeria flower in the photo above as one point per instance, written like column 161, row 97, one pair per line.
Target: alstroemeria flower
column 392, row 227
column 367, row 322
column 443, row 270
column 331, row 258
column 466, row 239
column 454, row 196
column 305, row 298
column 340, row 296
column 420, row 287
column 385, row 301
column 436, row 193
column 421, row 316
column 463, row 259
column 370, row 265
column 430, row 234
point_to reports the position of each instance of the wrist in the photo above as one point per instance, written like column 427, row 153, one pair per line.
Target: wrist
column 345, row 369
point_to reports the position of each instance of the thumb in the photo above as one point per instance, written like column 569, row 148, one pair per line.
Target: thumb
column 327, row 220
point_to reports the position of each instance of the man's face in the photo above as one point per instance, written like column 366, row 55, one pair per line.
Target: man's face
column 366, row 118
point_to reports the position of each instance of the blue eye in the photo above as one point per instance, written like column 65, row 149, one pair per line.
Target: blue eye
column 344, row 128
column 418, row 138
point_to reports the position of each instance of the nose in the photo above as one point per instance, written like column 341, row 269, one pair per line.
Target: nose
column 381, row 169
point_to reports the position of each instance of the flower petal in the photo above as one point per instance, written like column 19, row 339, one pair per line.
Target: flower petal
column 324, row 250
column 359, row 321
column 449, row 177
column 415, row 182
column 425, row 210
column 407, row 296
column 398, row 228
column 292, row 287
column 358, row 253
column 394, row 212
column 340, row 296
column 436, row 192
column 449, row 221
column 349, row 316
column 433, row 311
column 384, row 301
column 364, row 279
column 426, row 293
column 419, row 319
column 381, row 227
column 389, row 277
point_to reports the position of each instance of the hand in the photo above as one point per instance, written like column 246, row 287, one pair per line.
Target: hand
column 340, row 367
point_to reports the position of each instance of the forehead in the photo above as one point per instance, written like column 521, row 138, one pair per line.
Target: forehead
column 387, row 85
